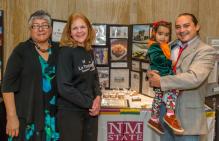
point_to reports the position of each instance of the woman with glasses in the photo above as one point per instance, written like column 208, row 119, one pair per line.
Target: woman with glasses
column 78, row 84
column 29, row 85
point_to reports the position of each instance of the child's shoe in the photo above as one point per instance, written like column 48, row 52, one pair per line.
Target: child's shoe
column 173, row 123
column 156, row 126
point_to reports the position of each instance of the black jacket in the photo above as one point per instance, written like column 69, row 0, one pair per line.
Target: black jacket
column 23, row 76
column 77, row 79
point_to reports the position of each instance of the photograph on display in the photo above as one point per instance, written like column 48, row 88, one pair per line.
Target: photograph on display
column 135, row 81
column 146, row 89
column 139, row 51
column 119, row 64
column 214, row 42
column 135, row 65
column 58, row 27
column 114, row 103
column 145, row 66
column 118, row 32
column 119, row 78
column 214, row 75
column 101, row 56
column 100, row 34
column 103, row 73
column 141, row 33
column 1, row 44
column 118, row 49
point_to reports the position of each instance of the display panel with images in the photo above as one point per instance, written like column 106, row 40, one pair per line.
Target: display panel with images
column 119, row 78
column 214, row 42
column 1, row 44
column 101, row 56
column 135, row 81
column 119, row 49
column 100, row 30
column 214, row 75
column 103, row 73
column 118, row 31
column 213, row 79
column 141, row 33
column 139, row 51
column 58, row 27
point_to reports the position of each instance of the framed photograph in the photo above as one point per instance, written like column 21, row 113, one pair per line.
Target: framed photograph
column 118, row 31
column 58, row 27
column 213, row 41
column 146, row 89
column 118, row 49
column 1, row 45
column 119, row 78
column 135, row 65
column 141, row 33
column 100, row 34
column 135, row 81
column 145, row 66
column 139, row 51
column 103, row 73
column 101, row 56
column 119, row 64
column 214, row 75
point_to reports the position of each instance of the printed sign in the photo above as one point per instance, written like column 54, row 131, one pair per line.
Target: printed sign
column 124, row 131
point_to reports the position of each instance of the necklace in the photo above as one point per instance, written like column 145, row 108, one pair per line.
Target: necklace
column 41, row 49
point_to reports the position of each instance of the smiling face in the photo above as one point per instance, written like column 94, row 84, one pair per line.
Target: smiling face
column 40, row 30
column 162, row 35
column 79, row 31
column 186, row 29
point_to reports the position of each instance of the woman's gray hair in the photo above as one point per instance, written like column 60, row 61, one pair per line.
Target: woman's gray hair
column 40, row 14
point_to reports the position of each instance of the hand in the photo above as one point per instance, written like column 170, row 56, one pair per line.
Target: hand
column 94, row 111
column 12, row 126
column 153, row 78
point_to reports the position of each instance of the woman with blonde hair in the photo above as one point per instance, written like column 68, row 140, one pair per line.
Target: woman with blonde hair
column 78, row 85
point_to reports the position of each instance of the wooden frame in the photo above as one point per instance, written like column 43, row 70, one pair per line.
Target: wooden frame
column 135, row 81
column 58, row 27
column 100, row 30
column 119, row 31
column 101, row 56
column 103, row 73
column 119, row 78
column 141, row 33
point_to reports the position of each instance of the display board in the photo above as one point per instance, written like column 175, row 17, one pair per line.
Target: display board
column 213, row 79
column 122, row 49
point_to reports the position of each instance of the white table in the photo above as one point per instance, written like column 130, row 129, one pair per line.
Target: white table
column 130, row 124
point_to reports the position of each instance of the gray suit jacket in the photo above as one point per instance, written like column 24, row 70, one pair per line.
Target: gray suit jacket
column 193, row 68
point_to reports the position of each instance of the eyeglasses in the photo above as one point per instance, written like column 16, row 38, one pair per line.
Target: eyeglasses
column 37, row 26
